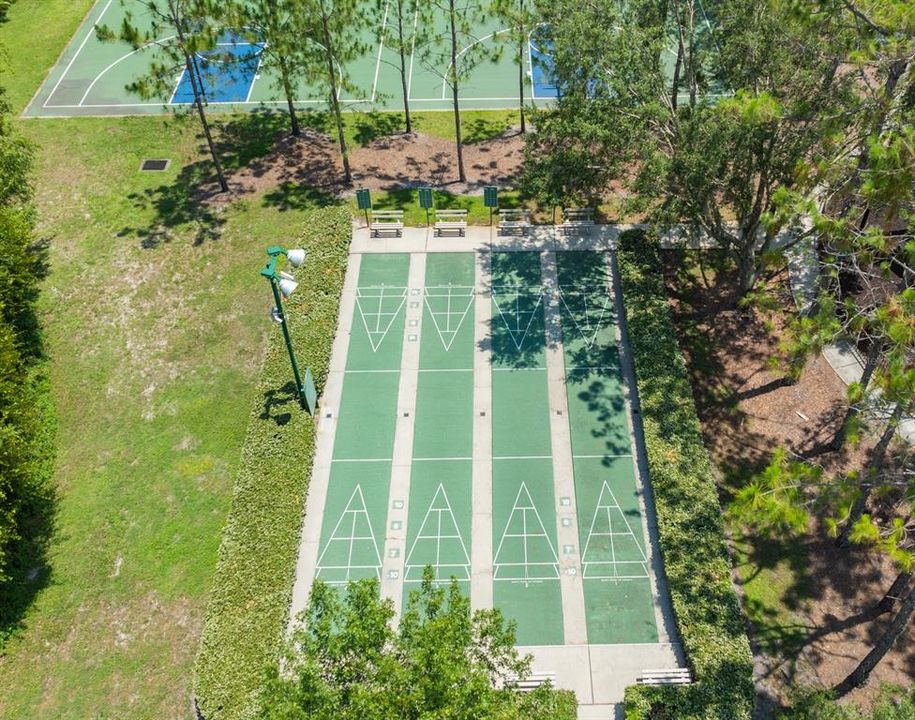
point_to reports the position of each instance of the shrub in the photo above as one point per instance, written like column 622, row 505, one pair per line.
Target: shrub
column 252, row 589
column 690, row 527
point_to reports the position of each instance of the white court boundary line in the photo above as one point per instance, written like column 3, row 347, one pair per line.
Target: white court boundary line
column 77, row 53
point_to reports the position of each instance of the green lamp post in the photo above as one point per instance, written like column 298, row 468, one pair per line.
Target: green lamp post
column 283, row 285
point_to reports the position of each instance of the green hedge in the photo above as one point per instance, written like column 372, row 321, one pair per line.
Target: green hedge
column 254, row 573
column 688, row 512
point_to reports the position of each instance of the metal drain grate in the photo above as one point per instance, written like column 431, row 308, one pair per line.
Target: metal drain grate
column 154, row 165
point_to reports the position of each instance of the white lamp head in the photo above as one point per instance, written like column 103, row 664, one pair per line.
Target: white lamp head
column 275, row 315
column 287, row 286
column 296, row 256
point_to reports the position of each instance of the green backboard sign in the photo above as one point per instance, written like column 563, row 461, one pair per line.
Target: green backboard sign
column 311, row 392
column 363, row 199
column 425, row 198
column 491, row 196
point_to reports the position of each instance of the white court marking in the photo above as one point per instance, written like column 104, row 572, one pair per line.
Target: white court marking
column 365, row 298
column 588, row 326
column 511, row 295
column 601, row 562
column 535, row 543
column 359, row 532
column 438, row 524
column 463, row 297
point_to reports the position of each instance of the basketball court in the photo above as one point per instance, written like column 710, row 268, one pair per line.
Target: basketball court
column 477, row 421
column 91, row 76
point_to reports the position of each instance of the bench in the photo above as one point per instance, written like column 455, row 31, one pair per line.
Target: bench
column 577, row 219
column 450, row 221
column 677, row 676
column 511, row 221
column 533, row 681
column 386, row 222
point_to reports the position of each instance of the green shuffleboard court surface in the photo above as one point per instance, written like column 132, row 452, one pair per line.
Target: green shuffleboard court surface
column 438, row 530
column 618, row 596
column 392, row 325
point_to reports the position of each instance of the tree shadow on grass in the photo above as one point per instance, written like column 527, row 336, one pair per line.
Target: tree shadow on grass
column 373, row 125
column 481, row 128
column 192, row 200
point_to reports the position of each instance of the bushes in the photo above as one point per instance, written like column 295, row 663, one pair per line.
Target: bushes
column 26, row 451
column 254, row 573
column 688, row 512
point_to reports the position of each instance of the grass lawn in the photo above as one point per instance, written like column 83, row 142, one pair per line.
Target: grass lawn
column 155, row 322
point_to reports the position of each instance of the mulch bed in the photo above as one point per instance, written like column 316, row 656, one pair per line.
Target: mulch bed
column 746, row 414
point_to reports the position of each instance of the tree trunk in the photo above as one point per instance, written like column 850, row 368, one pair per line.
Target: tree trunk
column 521, row 74
column 334, row 100
column 873, row 356
column 287, row 89
column 858, row 507
column 894, row 594
column 860, row 674
column 675, row 86
column 198, row 101
column 403, row 69
column 746, row 263
column 462, row 177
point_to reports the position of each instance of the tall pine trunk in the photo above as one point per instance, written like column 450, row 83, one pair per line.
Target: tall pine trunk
column 334, row 100
column 521, row 38
column 403, row 69
column 462, row 176
column 873, row 356
column 287, row 90
column 190, row 65
column 894, row 594
column 876, row 466
column 860, row 674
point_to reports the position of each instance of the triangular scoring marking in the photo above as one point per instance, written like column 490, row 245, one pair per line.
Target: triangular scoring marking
column 611, row 551
column 514, row 292
column 370, row 302
column 356, row 537
column 439, row 534
column 525, row 535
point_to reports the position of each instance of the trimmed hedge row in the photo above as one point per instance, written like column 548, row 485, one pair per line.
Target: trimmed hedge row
column 688, row 512
column 252, row 589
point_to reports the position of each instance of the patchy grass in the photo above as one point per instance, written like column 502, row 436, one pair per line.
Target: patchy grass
column 33, row 37
column 155, row 321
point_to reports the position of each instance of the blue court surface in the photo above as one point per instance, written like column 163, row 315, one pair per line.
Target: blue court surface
column 226, row 74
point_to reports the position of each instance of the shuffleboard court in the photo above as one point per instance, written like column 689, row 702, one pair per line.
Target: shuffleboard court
column 482, row 431
column 525, row 560
column 618, row 596
column 353, row 527
column 439, row 524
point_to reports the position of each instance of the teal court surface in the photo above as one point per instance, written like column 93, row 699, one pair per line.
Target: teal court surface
column 476, row 421
column 91, row 76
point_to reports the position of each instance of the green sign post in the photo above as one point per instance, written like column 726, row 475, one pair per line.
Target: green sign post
column 490, row 199
column 364, row 202
column 283, row 285
column 425, row 201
